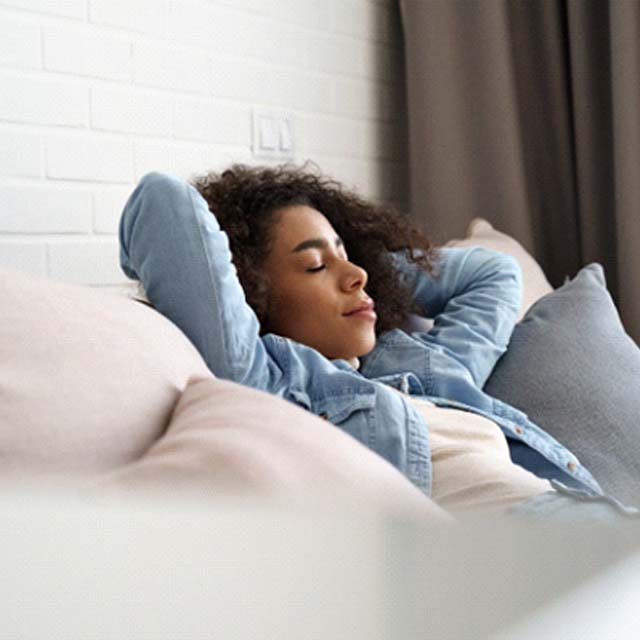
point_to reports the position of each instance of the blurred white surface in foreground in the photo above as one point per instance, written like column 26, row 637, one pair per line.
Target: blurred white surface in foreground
column 80, row 567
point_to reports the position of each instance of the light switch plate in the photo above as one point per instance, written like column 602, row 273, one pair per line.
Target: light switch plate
column 273, row 134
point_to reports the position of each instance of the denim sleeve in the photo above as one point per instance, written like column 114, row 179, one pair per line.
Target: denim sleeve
column 172, row 243
column 474, row 297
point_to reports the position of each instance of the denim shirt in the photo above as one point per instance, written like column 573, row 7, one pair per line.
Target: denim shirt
column 173, row 244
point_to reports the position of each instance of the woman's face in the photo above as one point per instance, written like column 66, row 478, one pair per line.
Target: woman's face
column 317, row 296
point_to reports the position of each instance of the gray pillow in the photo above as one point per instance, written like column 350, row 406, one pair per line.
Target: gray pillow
column 574, row 370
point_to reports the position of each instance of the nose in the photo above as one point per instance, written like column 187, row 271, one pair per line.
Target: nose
column 354, row 277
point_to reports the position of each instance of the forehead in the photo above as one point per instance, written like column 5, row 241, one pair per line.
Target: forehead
column 299, row 222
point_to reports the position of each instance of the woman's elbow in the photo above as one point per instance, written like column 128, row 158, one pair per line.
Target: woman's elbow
column 505, row 273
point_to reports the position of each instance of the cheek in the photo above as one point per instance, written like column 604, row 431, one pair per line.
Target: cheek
column 296, row 310
column 285, row 304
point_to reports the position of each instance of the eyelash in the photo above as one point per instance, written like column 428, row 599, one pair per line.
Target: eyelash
column 316, row 269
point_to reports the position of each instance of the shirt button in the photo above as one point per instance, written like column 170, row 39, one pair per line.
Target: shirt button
column 571, row 466
column 323, row 415
column 519, row 430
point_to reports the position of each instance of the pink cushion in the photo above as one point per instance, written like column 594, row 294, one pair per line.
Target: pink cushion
column 88, row 379
column 227, row 438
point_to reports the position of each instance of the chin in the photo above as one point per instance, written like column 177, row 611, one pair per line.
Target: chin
column 365, row 348
column 348, row 354
column 346, row 349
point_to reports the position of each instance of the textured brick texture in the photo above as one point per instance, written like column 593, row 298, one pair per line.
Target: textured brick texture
column 96, row 93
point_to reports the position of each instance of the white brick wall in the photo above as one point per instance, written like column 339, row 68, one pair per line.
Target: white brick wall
column 95, row 93
column 85, row 51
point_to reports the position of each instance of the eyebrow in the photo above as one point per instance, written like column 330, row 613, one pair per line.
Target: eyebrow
column 316, row 243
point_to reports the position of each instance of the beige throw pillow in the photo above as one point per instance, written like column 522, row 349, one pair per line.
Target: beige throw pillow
column 228, row 439
column 88, row 379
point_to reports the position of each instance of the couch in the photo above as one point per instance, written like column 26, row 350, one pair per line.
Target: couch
column 110, row 413
column 99, row 384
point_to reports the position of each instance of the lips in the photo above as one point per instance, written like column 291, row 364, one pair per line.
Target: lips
column 364, row 308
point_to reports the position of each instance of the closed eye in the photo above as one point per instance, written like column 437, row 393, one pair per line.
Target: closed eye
column 316, row 269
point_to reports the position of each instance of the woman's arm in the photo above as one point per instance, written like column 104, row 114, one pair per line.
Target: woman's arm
column 172, row 243
column 474, row 298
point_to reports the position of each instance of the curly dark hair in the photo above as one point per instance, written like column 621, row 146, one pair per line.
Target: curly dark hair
column 244, row 198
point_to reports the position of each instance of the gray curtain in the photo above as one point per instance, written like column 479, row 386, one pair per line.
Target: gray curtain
column 527, row 113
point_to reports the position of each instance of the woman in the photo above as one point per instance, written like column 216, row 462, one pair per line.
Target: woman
column 311, row 309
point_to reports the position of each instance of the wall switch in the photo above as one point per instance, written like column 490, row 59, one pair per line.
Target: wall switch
column 273, row 134
column 285, row 137
column 269, row 134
